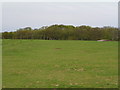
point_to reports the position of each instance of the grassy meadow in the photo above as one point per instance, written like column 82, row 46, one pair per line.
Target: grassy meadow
column 59, row 64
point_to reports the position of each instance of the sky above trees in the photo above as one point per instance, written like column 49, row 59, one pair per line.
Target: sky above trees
column 36, row 15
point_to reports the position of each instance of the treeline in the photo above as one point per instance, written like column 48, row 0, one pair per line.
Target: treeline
column 64, row 32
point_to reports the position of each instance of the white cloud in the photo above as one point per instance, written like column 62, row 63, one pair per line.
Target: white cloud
column 17, row 15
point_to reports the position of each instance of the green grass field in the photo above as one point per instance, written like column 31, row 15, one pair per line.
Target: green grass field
column 59, row 64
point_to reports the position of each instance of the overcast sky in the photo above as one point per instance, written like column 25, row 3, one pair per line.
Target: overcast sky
column 36, row 15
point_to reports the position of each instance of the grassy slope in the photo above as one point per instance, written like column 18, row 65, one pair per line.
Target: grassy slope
column 0, row 63
column 73, row 64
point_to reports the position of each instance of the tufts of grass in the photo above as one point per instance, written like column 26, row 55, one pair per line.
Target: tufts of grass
column 59, row 64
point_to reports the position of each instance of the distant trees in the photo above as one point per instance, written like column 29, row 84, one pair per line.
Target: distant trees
column 64, row 32
column 7, row 35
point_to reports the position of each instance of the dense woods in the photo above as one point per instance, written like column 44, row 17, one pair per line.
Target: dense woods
column 64, row 32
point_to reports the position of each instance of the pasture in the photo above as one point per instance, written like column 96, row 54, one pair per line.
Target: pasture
column 59, row 64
